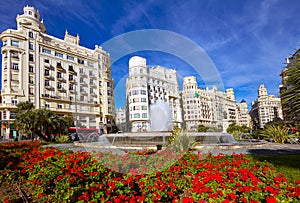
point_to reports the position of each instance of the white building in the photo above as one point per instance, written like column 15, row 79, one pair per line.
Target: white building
column 265, row 109
column 209, row 107
column 196, row 104
column 243, row 116
column 121, row 119
column 57, row 74
column 144, row 86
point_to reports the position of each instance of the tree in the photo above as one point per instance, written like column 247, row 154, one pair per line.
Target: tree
column 42, row 122
column 25, row 117
column 291, row 96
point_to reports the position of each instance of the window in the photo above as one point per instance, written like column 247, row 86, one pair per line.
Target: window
column 70, row 58
column 29, row 12
column 135, row 100
column 80, row 61
column 15, row 66
column 81, row 79
column 31, row 69
column 59, row 106
column 15, row 54
column 144, row 115
column 59, row 75
column 71, row 77
column 14, row 102
column 136, row 115
column 47, row 104
column 108, row 84
column 143, row 99
column 30, row 46
column 15, row 43
column 143, row 92
column 31, row 79
column 57, row 54
column 12, row 115
column 46, row 51
column 47, row 83
column 31, row 57
column 92, row 92
column 144, row 107
column 136, row 108
column 71, row 87
column 59, row 85
column 4, row 43
column 46, row 73
column 91, row 64
column 31, row 91
column 80, row 70
column 30, row 34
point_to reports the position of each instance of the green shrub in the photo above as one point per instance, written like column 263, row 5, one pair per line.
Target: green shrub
column 62, row 139
column 277, row 133
column 181, row 141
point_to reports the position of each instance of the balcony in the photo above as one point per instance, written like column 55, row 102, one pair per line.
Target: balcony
column 92, row 76
column 61, row 79
column 50, row 88
column 63, row 90
column 83, row 93
column 47, row 65
column 59, row 67
column 72, row 71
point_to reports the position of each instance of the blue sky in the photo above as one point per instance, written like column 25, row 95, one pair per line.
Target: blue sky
column 247, row 40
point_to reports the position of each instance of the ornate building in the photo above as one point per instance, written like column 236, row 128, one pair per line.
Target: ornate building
column 265, row 109
column 210, row 107
column 144, row 86
column 57, row 74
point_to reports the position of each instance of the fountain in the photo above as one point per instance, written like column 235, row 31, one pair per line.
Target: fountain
column 160, row 117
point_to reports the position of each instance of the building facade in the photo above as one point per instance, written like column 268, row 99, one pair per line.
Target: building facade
column 146, row 85
column 210, row 107
column 290, row 62
column 196, row 104
column 121, row 119
column 56, row 74
column 265, row 109
column 243, row 116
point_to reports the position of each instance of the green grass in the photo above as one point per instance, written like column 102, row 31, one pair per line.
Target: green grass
column 289, row 165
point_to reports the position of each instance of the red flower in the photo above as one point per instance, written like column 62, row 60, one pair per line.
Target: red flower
column 187, row 200
column 6, row 201
column 271, row 199
column 231, row 196
column 85, row 197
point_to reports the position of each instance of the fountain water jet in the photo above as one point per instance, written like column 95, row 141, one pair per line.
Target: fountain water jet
column 160, row 116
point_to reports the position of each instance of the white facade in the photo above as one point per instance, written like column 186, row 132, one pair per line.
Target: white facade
column 56, row 74
column 121, row 119
column 243, row 116
column 265, row 109
column 210, row 107
column 144, row 86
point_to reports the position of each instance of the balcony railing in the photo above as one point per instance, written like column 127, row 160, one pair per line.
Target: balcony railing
column 47, row 65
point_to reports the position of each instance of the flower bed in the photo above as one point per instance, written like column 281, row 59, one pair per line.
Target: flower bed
column 64, row 176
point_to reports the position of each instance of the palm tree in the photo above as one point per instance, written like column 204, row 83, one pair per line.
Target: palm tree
column 291, row 96
column 24, row 121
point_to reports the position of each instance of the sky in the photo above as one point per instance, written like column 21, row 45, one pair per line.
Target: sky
column 246, row 40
